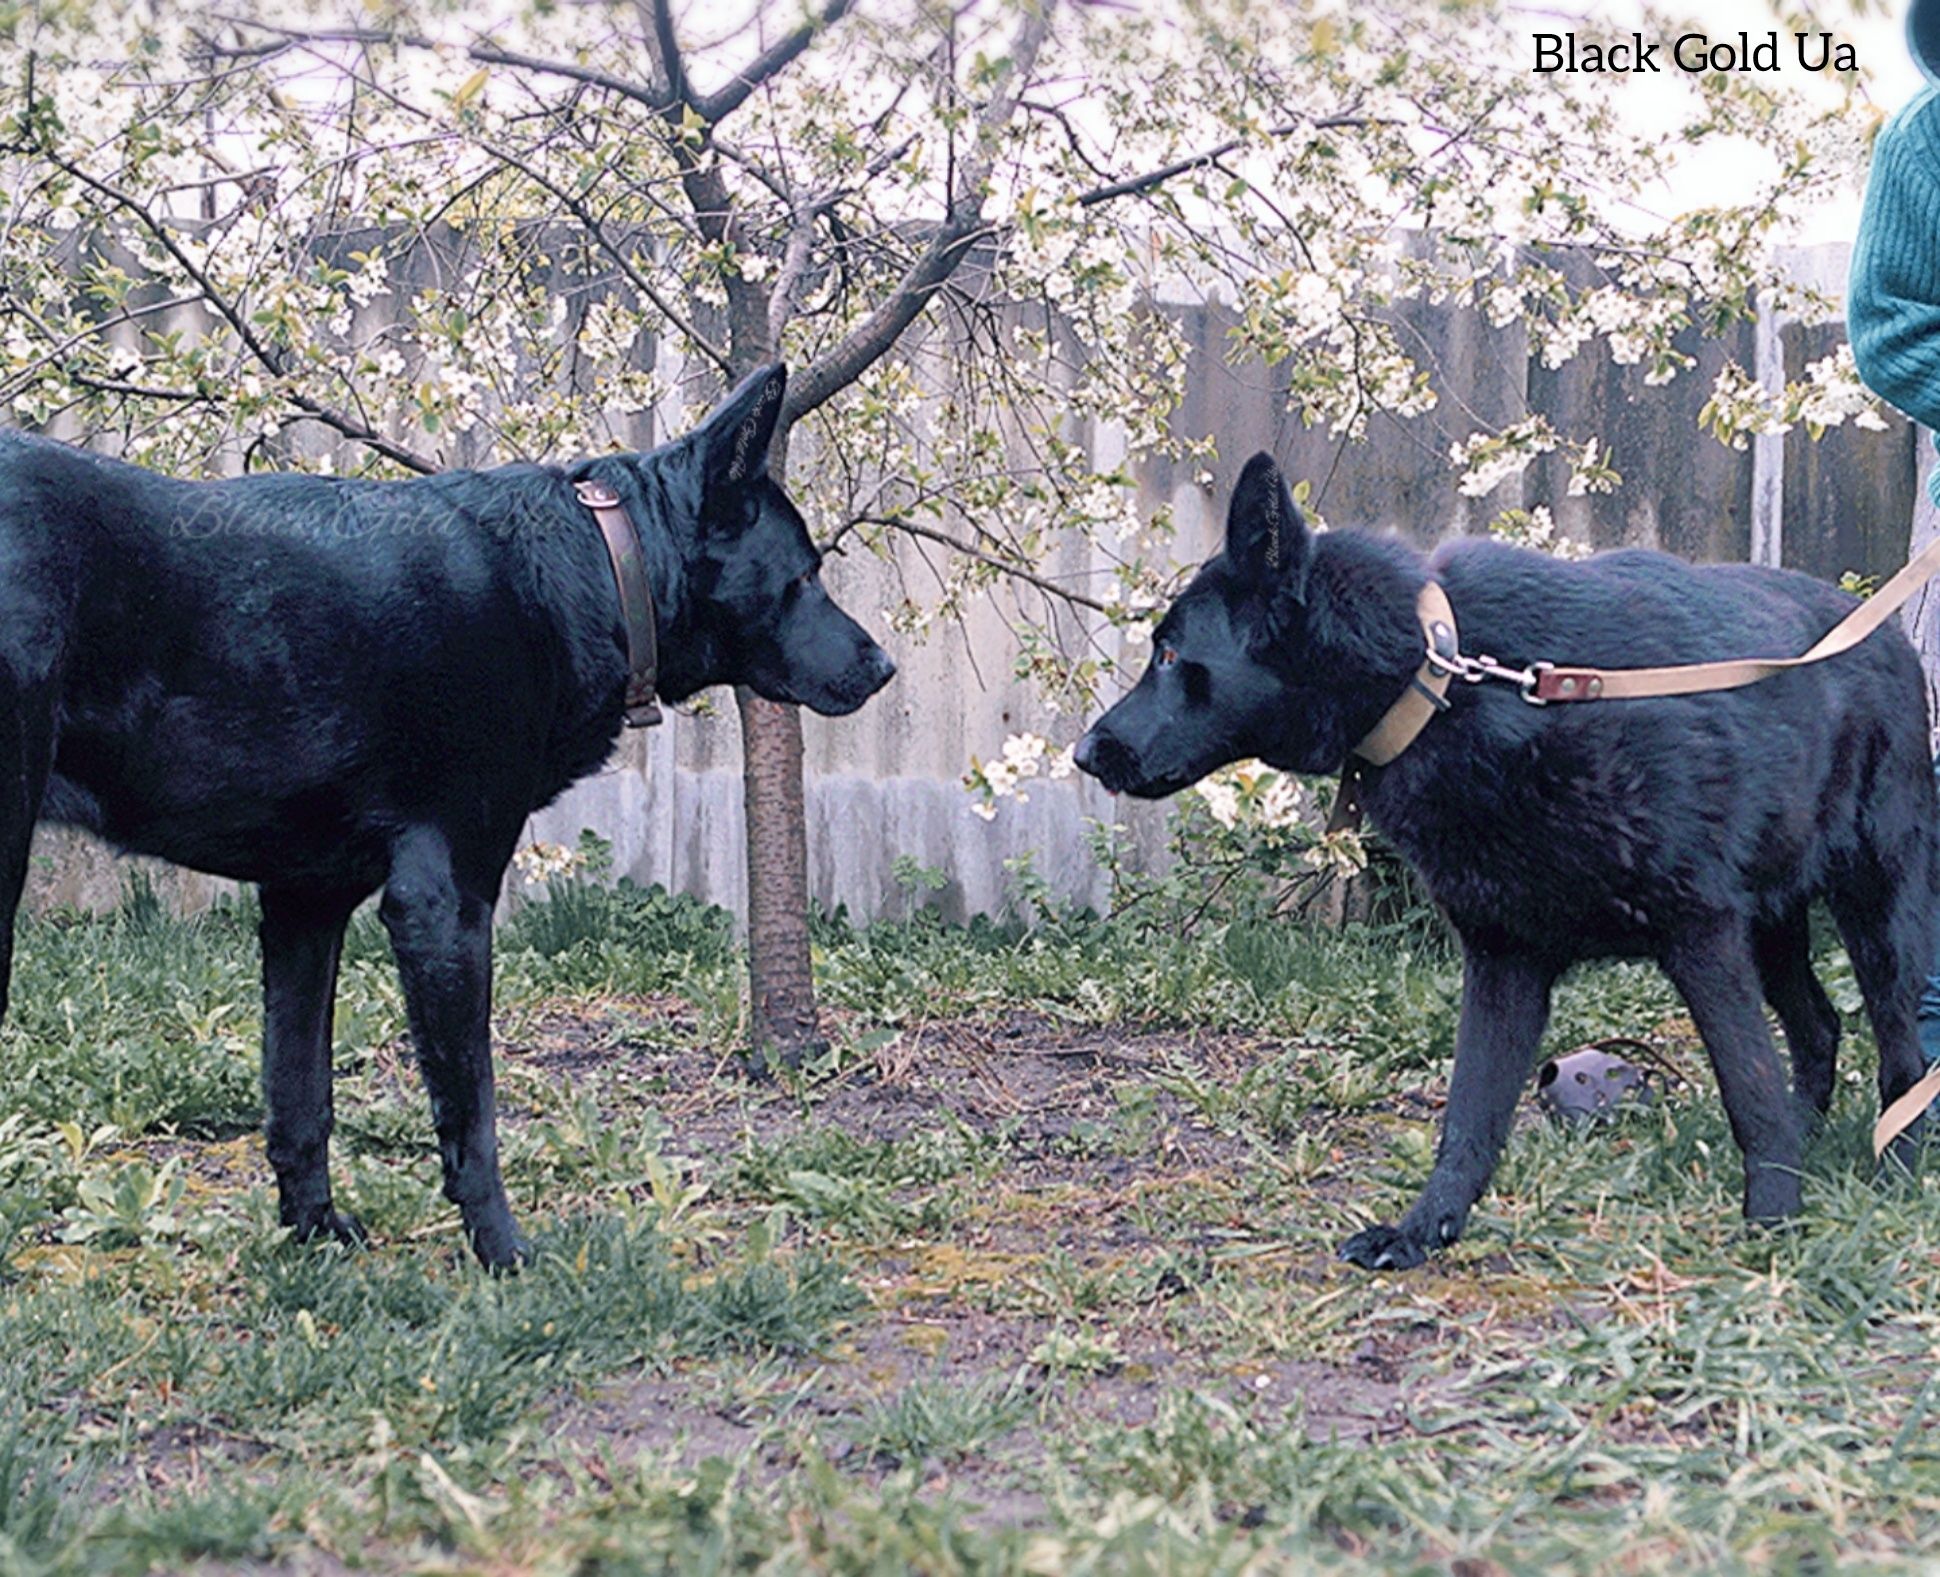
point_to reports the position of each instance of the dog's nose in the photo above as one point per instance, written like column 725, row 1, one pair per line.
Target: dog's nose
column 882, row 667
column 1085, row 757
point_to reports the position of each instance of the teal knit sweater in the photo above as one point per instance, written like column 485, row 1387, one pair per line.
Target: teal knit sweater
column 1893, row 296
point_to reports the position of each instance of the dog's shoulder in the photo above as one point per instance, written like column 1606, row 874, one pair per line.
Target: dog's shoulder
column 25, row 455
column 1506, row 598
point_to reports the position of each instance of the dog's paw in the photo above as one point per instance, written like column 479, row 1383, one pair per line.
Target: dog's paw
column 502, row 1248
column 1383, row 1248
column 1773, row 1199
column 332, row 1226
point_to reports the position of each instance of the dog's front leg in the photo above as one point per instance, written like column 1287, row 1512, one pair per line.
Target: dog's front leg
column 441, row 932
column 1505, row 1004
column 302, row 934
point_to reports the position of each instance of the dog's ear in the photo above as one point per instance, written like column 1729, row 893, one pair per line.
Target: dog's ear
column 734, row 439
column 1267, row 539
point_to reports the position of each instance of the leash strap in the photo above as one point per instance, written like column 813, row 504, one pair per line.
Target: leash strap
column 1560, row 684
column 1904, row 1112
column 636, row 599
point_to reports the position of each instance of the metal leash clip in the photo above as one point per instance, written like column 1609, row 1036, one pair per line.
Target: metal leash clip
column 1474, row 670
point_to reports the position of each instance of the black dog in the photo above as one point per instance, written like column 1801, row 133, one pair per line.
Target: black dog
column 328, row 686
column 1694, row 831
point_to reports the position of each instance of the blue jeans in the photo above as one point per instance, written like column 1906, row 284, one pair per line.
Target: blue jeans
column 1930, row 999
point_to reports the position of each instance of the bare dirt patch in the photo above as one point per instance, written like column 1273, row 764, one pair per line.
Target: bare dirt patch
column 1101, row 1262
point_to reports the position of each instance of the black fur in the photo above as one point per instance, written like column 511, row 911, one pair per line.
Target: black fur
column 1694, row 831
column 329, row 686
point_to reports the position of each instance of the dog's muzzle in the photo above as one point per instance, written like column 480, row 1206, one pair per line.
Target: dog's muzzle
column 874, row 669
column 1107, row 758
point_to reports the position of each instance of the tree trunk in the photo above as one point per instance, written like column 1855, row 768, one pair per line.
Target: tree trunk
column 782, row 1018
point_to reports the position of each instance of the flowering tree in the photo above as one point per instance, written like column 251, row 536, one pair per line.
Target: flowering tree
column 429, row 238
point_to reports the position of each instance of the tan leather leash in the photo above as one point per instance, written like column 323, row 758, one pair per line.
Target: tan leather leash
column 636, row 599
column 1545, row 684
column 1554, row 683
column 1905, row 1111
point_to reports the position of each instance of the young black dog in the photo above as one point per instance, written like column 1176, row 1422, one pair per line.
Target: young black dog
column 1694, row 831
column 328, row 686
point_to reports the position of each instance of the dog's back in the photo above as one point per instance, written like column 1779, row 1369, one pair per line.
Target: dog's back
column 1636, row 607
column 238, row 659
column 1619, row 815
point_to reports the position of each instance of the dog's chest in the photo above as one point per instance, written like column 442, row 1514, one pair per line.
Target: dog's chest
column 1557, row 862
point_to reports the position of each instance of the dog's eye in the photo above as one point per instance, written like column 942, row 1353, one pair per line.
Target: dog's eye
column 807, row 578
column 1168, row 655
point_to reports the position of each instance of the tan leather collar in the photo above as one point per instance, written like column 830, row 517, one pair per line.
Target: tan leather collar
column 636, row 599
column 1427, row 691
column 1402, row 723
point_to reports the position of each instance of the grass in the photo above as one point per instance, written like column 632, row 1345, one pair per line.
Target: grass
column 1033, row 1273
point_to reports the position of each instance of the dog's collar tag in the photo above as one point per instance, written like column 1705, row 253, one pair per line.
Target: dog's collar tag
column 636, row 599
column 1427, row 694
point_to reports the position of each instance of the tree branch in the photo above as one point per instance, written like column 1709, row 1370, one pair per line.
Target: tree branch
column 54, row 352
column 872, row 338
column 1132, row 185
column 485, row 54
column 971, row 551
column 715, row 107
column 663, row 46
column 707, row 194
column 349, row 426
column 633, row 275
column 135, row 390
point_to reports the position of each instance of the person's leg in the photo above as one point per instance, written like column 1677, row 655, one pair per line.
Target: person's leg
column 1930, row 997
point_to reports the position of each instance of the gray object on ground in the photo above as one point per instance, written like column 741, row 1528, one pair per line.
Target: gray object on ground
column 1588, row 1083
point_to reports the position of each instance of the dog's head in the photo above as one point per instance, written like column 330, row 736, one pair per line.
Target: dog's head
column 759, row 614
column 1259, row 657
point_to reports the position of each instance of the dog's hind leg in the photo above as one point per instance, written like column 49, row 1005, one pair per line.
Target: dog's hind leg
column 1713, row 967
column 302, row 934
column 440, row 922
column 1784, row 952
column 27, row 732
column 1505, row 1004
column 1884, row 909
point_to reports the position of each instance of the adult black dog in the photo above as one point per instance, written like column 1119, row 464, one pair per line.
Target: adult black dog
column 328, row 686
column 1694, row 831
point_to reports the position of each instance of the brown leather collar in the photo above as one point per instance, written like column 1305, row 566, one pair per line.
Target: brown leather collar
column 636, row 599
